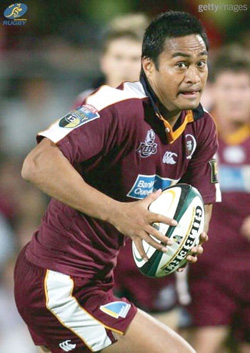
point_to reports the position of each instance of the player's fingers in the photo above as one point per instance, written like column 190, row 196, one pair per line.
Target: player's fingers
column 158, row 246
column 158, row 235
column 151, row 197
column 158, row 218
column 197, row 250
column 192, row 258
column 140, row 249
column 203, row 238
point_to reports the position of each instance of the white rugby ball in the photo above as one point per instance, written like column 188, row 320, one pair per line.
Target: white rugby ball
column 183, row 203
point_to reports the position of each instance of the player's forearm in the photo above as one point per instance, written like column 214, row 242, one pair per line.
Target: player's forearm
column 48, row 169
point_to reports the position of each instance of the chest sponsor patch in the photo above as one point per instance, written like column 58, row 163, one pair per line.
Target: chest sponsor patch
column 116, row 309
column 146, row 184
column 148, row 147
column 79, row 116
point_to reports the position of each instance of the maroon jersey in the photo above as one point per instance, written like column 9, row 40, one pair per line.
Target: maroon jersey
column 122, row 148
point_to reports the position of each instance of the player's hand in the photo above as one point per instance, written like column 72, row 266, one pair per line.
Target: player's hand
column 134, row 220
column 196, row 250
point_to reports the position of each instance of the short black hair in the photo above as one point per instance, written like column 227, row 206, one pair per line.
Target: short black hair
column 172, row 24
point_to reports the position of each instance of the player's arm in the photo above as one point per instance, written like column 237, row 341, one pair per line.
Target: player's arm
column 48, row 169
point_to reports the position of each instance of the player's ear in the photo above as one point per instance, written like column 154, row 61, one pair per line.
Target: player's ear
column 148, row 66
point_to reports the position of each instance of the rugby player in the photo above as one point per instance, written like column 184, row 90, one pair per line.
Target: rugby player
column 121, row 61
column 101, row 164
column 222, row 275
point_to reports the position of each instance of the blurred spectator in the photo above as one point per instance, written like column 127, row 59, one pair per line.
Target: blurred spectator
column 219, row 285
column 7, row 244
column 14, row 336
column 22, row 117
column 121, row 52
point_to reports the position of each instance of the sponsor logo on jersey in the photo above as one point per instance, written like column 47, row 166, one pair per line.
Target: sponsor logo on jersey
column 13, row 13
column 168, row 157
column 67, row 346
column 214, row 171
column 146, row 184
column 116, row 309
column 79, row 116
column 190, row 145
column 148, row 147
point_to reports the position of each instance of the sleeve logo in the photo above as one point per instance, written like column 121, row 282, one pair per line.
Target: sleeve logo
column 214, row 171
column 79, row 116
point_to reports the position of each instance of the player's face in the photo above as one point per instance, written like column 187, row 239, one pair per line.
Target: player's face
column 122, row 61
column 231, row 92
column 182, row 72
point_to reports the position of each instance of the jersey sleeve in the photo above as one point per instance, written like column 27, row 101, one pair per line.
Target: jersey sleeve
column 202, row 169
column 84, row 133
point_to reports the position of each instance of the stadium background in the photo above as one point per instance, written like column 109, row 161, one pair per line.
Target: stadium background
column 43, row 66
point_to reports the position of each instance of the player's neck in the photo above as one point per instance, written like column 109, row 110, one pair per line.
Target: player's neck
column 170, row 116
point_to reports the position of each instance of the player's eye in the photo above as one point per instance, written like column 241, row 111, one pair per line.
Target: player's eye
column 182, row 65
column 202, row 64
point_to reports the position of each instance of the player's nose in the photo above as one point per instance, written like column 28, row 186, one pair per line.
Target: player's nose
column 192, row 75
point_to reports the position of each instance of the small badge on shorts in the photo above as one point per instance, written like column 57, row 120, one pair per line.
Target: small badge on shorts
column 116, row 309
column 214, row 171
column 79, row 116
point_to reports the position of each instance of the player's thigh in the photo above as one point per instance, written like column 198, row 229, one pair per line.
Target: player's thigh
column 209, row 339
column 147, row 335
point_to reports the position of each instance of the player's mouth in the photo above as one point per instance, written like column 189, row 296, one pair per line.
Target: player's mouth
column 190, row 94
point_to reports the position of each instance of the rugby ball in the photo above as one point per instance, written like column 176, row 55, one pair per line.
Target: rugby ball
column 183, row 203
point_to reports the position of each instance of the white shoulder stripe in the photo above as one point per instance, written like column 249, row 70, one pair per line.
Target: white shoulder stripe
column 99, row 100
column 106, row 95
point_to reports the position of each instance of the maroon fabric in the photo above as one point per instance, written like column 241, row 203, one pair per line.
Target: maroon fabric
column 127, row 142
column 219, row 282
column 44, row 327
column 218, row 298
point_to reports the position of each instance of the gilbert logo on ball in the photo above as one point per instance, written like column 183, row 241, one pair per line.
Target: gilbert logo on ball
column 183, row 203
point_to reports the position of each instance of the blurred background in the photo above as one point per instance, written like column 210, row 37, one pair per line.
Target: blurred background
column 44, row 65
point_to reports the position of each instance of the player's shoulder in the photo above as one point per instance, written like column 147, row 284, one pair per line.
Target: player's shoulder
column 128, row 93
column 204, row 121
